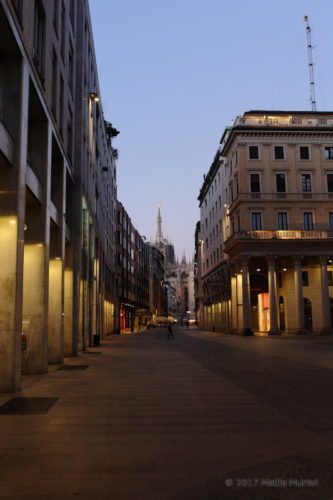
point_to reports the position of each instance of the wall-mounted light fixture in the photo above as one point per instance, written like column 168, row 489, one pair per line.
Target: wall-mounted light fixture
column 93, row 96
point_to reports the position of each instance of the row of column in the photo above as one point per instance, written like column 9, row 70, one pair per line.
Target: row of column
column 272, row 290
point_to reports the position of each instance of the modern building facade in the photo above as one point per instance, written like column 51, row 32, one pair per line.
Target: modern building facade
column 213, row 299
column 277, row 189
column 132, row 275
column 58, row 189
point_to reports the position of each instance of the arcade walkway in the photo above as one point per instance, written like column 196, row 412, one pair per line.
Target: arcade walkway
column 195, row 417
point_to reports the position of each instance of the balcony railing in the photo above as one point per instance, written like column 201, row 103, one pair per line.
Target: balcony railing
column 283, row 121
column 283, row 196
column 281, row 235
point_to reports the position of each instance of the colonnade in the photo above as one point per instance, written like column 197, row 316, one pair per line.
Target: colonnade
column 244, row 325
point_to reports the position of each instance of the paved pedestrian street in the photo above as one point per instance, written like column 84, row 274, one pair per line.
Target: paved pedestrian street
column 203, row 416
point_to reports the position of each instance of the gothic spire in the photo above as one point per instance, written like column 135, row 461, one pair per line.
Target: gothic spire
column 159, row 233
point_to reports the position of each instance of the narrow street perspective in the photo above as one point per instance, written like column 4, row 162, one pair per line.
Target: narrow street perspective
column 199, row 416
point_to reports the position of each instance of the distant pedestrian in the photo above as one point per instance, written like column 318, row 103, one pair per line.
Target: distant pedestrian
column 170, row 332
column 187, row 323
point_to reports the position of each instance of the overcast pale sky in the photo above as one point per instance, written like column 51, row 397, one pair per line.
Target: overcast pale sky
column 174, row 73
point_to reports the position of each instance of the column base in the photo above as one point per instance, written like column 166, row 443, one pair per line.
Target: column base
column 274, row 332
column 247, row 332
column 326, row 331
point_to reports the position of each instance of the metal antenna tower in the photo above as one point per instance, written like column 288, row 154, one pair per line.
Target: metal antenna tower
column 311, row 73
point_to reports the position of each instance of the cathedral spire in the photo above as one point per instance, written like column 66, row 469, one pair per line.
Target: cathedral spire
column 159, row 233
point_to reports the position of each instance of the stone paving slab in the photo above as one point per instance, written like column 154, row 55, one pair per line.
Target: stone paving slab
column 154, row 419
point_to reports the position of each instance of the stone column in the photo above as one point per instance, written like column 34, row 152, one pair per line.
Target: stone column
column 273, row 312
column 299, row 303
column 246, row 297
column 12, row 220
column 325, row 298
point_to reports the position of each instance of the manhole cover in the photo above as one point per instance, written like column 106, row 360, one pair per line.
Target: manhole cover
column 27, row 406
column 73, row 367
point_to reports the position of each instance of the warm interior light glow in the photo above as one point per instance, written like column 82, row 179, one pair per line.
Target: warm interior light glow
column 12, row 221
column 94, row 96
column 284, row 269
column 258, row 270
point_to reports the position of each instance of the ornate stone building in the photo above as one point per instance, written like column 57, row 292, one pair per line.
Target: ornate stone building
column 274, row 173
column 179, row 277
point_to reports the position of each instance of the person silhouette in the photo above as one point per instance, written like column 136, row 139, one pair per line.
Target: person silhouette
column 170, row 332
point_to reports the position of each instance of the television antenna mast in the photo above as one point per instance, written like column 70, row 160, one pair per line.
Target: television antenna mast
column 310, row 58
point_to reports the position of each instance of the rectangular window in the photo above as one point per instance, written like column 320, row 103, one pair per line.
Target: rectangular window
column 330, row 183
column 282, row 221
column 255, row 185
column 54, row 83
column 63, row 29
column 56, row 15
column 304, row 153
column 18, row 7
column 305, row 278
column 328, row 153
column 70, row 67
column 308, row 221
column 69, row 135
column 61, row 106
column 280, row 183
column 279, row 152
column 331, row 221
column 253, row 152
column 256, row 221
column 39, row 36
column 72, row 11
column 306, row 185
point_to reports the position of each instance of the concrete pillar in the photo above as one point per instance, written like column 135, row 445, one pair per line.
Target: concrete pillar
column 55, row 320
column 234, row 305
column 325, row 298
column 36, row 270
column 11, row 255
column 273, row 311
column 246, row 297
column 56, row 280
column 299, row 302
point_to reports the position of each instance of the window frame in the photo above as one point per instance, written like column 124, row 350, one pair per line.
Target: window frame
column 283, row 153
column 329, row 150
column 300, row 154
column 258, row 152
column 282, row 217
column 258, row 216
column 311, row 219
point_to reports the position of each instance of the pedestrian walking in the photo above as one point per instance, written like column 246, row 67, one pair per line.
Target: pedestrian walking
column 170, row 332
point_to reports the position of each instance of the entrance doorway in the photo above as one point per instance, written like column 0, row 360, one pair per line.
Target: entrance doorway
column 281, row 315
column 307, row 314
column 258, row 285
